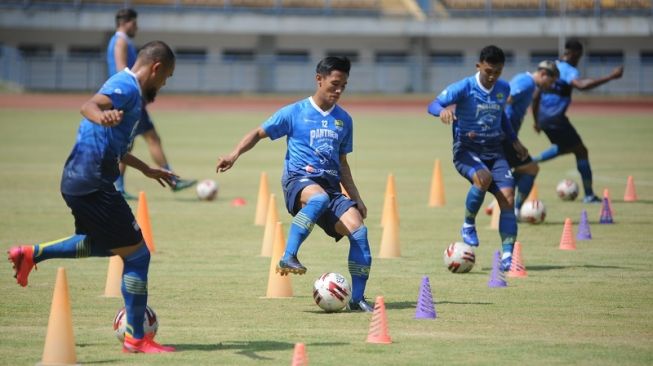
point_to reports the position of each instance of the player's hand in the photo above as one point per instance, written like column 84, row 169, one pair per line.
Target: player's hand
column 447, row 116
column 360, row 205
column 225, row 163
column 162, row 176
column 617, row 72
column 111, row 117
column 522, row 152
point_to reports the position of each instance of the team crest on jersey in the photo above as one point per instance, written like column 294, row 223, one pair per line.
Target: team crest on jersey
column 339, row 123
column 500, row 96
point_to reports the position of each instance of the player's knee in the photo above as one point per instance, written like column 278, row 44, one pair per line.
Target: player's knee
column 320, row 201
column 532, row 168
column 482, row 180
column 138, row 260
column 581, row 152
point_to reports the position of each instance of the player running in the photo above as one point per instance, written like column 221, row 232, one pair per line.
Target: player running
column 550, row 114
column 104, row 223
column 121, row 54
column 319, row 134
column 479, row 128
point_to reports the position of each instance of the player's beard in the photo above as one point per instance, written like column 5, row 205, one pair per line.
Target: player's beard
column 150, row 95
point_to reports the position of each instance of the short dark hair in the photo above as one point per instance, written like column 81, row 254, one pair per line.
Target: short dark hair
column 125, row 15
column 330, row 63
column 492, row 55
column 550, row 67
column 574, row 45
column 157, row 51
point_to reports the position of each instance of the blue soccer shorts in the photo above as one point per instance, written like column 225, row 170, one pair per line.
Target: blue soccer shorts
column 468, row 162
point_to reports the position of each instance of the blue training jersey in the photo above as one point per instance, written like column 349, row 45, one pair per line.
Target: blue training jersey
column 131, row 52
column 522, row 88
column 93, row 163
column 316, row 139
column 555, row 101
column 478, row 113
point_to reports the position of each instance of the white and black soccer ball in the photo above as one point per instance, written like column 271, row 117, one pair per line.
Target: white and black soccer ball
column 459, row 257
column 331, row 292
column 532, row 212
column 567, row 190
column 207, row 190
column 150, row 323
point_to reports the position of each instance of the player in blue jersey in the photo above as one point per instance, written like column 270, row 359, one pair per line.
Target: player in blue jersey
column 550, row 114
column 104, row 223
column 522, row 88
column 121, row 54
column 319, row 136
column 480, row 127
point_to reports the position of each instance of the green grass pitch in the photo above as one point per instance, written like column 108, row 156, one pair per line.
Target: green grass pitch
column 591, row 306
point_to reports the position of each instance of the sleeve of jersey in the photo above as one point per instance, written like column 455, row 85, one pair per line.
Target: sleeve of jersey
column 448, row 97
column 347, row 144
column 120, row 94
column 278, row 125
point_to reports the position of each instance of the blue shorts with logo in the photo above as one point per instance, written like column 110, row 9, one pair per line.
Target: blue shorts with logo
column 105, row 218
column 338, row 204
column 468, row 162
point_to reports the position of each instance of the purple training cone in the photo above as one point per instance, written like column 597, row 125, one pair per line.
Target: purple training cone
column 425, row 308
column 497, row 278
column 584, row 227
column 606, row 213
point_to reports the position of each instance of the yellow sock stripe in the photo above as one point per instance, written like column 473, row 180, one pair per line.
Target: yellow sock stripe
column 359, row 269
column 43, row 245
column 303, row 221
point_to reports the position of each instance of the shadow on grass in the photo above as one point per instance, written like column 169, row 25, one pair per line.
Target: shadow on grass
column 400, row 305
column 553, row 267
column 250, row 349
column 101, row 361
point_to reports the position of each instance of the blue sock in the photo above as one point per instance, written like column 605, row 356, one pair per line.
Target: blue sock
column 120, row 183
column 508, row 230
column 548, row 154
column 473, row 203
column 303, row 222
column 134, row 290
column 360, row 261
column 585, row 171
column 524, row 183
column 76, row 246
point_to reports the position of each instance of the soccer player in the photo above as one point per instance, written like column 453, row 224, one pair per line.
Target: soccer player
column 550, row 114
column 104, row 223
column 319, row 137
column 479, row 128
column 522, row 88
column 121, row 54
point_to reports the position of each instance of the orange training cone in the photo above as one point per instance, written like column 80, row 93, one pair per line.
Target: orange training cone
column 436, row 195
column 630, row 195
column 114, row 277
column 299, row 357
column 143, row 219
column 389, row 191
column 517, row 268
column 262, row 201
column 59, row 346
column 496, row 213
column 278, row 285
column 390, row 238
column 378, row 332
column 567, row 241
column 533, row 196
column 270, row 224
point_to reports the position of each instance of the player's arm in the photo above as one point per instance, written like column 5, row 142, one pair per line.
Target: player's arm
column 535, row 108
column 99, row 109
column 347, row 181
column 439, row 108
column 120, row 53
column 160, row 175
column 589, row 83
column 506, row 126
column 247, row 143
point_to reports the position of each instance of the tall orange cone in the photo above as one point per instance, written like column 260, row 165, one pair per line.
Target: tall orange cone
column 378, row 332
column 390, row 247
column 533, row 196
column 114, row 277
column 262, row 201
column 517, row 267
column 496, row 213
column 299, row 357
column 59, row 346
column 436, row 195
column 630, row 195
column 278, row 285
column 567, row 241
column 143, row 219
column 390, row 190
column 270, row 224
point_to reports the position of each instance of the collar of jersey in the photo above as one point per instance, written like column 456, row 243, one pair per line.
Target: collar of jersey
column 478, row 82
column 127, row 70
column 317, row 108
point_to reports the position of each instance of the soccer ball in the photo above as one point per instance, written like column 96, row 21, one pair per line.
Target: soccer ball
column 459, row 257
column 567, row 189
column 532, row 212
column 207, row 190
column 150, row 323
column 331, row 292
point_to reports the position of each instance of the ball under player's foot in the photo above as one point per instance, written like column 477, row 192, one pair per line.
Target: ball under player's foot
column 290, row 264
column 361, row 305
column 592, row 199
column 144, row 345
column 469, row 235
column 182, row 184
column 22, row 259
